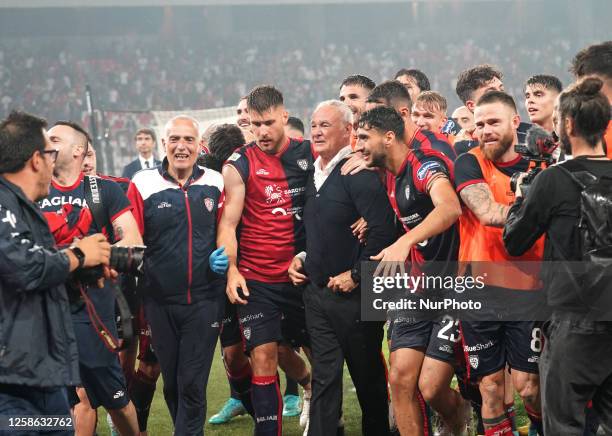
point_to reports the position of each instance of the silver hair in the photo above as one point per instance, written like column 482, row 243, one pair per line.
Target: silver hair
column 343, row 108
column 185, row 117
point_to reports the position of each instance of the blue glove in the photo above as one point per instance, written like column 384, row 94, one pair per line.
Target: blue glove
column 218, row 261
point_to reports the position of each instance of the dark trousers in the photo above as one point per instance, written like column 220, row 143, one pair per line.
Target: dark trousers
column 184, row 339
column 576, row 367
column 337, row 334
column 19, row 400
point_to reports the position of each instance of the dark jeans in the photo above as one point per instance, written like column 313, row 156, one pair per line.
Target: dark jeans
column 576, row 367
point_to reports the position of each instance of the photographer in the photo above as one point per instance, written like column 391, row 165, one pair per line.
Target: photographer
column 554, row 207
column 70, row 209
column 37, row 342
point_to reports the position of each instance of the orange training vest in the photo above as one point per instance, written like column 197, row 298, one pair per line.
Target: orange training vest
column 481, row 243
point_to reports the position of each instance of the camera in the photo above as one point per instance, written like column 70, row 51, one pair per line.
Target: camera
column 125, row 260
column 540, row 148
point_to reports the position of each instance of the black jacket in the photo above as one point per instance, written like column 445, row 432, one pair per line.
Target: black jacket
column 37, row 342
column 133, row 167
column 331, row 247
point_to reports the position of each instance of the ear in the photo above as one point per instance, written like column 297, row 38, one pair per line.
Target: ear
column 569, row 125
column 78, row 151
column 404, row 112
column 163, row 141
column 36, row 162
column 516, row 121
column 443, row 122
column 389, row 137
column 285, row 117
column 471, row 105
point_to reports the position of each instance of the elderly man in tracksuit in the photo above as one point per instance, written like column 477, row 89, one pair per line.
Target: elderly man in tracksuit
column 176, row 207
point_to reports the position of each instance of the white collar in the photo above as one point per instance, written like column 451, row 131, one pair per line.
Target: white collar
column 321, row 174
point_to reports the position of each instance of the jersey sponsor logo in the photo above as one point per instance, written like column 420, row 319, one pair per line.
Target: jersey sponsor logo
column 426, row 168
column 163, row 205
column 118, row 394
column 209, row 203
column 303, row 164
column 473, row 361
column 234, row 157
column 61, row 200
column 262, row 172
column 274, row 194
column 410, row 219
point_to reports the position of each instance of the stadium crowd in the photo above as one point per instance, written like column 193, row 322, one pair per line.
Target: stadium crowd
column 256, row 235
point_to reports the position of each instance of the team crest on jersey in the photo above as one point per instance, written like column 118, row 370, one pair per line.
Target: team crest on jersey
column 474, row 361
column 209, row 203
column 303, row 164
column 247, row 333
column 407, row 192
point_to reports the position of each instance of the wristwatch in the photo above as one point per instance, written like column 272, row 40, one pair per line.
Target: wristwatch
column 356, row 275
column 78, row 253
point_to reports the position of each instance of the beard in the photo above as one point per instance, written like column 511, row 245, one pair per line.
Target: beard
column 495, row 152
column 378, row 160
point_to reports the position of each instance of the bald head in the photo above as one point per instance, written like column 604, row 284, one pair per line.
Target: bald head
column 182, row 120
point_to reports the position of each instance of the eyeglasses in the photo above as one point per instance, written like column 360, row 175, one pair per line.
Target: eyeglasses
column 54, row 152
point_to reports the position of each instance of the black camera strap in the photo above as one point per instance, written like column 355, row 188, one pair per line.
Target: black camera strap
column 93, row 196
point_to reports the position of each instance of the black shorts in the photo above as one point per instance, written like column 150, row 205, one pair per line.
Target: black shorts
column 445, row 342
column 490, row 345
column 101, row 373
column 407, row 332
column 274, row 313
column 230, row 327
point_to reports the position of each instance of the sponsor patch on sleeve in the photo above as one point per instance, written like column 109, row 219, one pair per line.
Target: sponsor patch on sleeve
column 427, row 168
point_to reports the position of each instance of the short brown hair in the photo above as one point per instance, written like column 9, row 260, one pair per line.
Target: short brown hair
column 432, row 100
column 497, row 97
column 146, row 131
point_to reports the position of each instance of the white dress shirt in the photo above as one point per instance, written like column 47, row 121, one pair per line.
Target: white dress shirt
column 321, row 174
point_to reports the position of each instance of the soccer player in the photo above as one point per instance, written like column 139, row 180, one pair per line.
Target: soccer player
column 69, row 216
column 419, row 186
column 465, row 119
column 177, row 207
column 265, row 183
column 394, row 95
column 414, row 80
column 429, row 111
column 596, row 61
column 242, row 112
column 482, row 178
column 354, row 91
column 294, row 127
column 541, row 92
column 472, row 84
column 145, row 142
